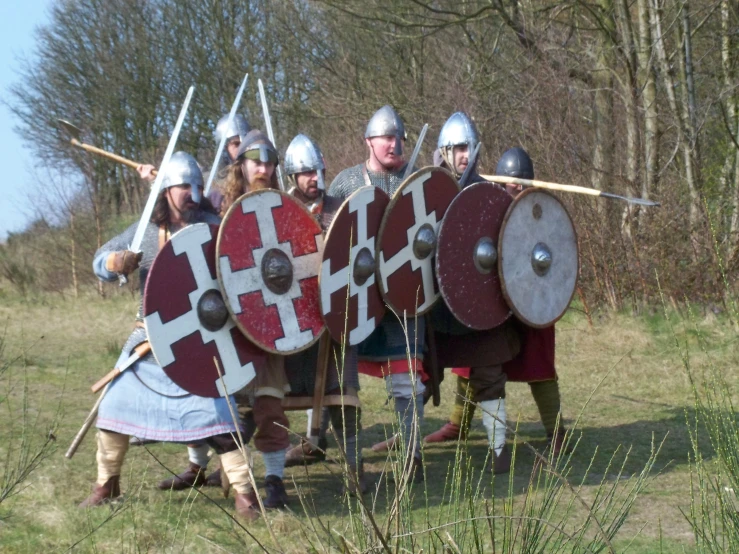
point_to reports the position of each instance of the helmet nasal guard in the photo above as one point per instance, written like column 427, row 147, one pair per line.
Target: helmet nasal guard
column 304, row 155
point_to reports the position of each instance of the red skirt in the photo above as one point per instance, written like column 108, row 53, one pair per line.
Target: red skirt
column 534, row 363
column 383, row 369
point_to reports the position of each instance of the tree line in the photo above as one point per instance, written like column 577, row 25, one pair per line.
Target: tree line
column 638, row 97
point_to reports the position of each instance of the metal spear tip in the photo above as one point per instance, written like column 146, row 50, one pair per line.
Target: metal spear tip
column 639, row 201
column 74, row 131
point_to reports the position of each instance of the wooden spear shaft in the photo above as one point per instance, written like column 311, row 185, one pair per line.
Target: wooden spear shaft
column 565, row 188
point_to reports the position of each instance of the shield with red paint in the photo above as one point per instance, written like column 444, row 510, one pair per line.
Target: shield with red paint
column 269, row 256
column 350, row 298
column 408, row 238
column 467, row 256
column 188, row 323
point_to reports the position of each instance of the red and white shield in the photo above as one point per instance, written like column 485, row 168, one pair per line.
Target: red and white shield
column 467, row 256
column 350, row 298
column 187, row 320
column 407, row 243
column 269, row 256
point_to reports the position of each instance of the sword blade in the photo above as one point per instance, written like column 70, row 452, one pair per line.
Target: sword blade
column 470, row 164
column 222, row 144
column 416, row 151
column 268, row 125
column 157, row 185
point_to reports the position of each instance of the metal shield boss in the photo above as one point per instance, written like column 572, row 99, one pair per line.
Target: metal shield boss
column 467, row 256
column 539, row 260
column 187, row 320
column 408, row 240
column 269, row 256
column 350, row 298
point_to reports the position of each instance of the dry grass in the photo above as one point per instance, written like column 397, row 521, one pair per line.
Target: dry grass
column 644, row 396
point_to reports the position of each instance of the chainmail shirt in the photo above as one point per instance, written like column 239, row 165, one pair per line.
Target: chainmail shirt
column 388, row 341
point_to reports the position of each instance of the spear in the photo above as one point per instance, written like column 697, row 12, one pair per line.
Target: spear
column 566, row 188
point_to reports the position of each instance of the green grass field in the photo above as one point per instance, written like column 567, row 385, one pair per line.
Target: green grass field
column 628, row 368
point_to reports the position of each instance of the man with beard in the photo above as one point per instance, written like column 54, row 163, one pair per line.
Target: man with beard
column 482, row 352
column 141, row 401
column 260, row 404
column 383, row 353
column 534, row 364
column 305, row 169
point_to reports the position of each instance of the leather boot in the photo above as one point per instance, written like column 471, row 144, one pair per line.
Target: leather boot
column 214, row 479
column 102, row 494
column 193, row 476
column 247, row 505
column 306, row 454
column 416, row 472
column 385, row 446
column 276, row 493
column 350, row 487
column 556, row 443
column 502, row 461
column 449, row 432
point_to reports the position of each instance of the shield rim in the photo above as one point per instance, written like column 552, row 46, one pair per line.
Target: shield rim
column 497, row 263
column 513, row 205
column 351, row 269
column 395, row 198
column 233, row 316
column 187, row 228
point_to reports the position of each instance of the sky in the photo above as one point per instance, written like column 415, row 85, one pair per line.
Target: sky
column 17, row 23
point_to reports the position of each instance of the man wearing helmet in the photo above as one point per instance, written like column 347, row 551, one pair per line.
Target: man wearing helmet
column 305, row 167
column 458, row 142
column 535, row 363
column 141, row 401
column 234, row 130
column 383, row 353
column 260, row 404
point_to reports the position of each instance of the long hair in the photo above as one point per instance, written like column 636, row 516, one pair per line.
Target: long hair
column 235, row 185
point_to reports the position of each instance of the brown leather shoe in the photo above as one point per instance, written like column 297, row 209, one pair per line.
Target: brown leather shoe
column 193, row 476
column 247, row 505
column 306, row 454
column 385, row 446
column 448, row 432
column 102, row 494
column 502, row 461
column 214, row 479
column 276, row 493
column 556, row 444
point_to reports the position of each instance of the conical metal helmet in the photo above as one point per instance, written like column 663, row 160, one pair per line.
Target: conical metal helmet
column 459, row 129
column 238, row 126
column 515, row 162
column 304, row 155
column 387, row 122
column 182, row 169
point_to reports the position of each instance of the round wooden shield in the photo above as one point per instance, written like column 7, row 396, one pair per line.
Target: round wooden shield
column 187, row 321
column 350, row 298
column 467, row 256
column 269, row 256
column 538, row 258
column 408, row 238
